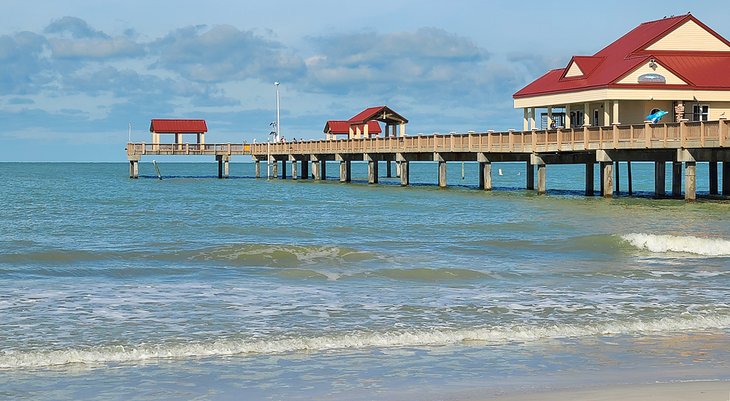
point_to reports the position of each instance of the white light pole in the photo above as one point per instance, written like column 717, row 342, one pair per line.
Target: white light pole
column 278, row 123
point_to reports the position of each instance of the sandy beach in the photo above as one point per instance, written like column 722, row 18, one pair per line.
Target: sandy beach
column 695, row 391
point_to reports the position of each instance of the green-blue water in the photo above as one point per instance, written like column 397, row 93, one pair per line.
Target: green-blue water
column 197, row 288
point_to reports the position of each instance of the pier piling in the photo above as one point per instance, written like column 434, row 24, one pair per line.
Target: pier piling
column 676, row 179
column 660, row 177
column 690, row 183
column 590, row 174
column 713, row 177
column 606, row 168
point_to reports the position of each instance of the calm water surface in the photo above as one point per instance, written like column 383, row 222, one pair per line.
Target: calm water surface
column 197, row 288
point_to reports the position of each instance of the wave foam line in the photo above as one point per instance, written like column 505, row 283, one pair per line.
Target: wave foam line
column 362, row 340
column 683, row 244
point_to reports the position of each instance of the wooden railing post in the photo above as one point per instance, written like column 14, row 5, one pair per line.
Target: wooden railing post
column 614, row 130
column 721, row 131
column 585, row 137
column 683, row 134
column 702, row 134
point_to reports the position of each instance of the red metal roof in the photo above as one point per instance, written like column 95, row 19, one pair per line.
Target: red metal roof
column 343, row 127
column 380, row 113
column 178, row 126
column 700, row 70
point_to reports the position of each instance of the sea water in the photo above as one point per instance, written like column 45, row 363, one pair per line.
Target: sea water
column 191, row 287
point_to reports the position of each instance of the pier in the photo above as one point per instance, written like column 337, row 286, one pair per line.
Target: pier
column 683, row 144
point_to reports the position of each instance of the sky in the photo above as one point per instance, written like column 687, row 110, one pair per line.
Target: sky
column 75, row 74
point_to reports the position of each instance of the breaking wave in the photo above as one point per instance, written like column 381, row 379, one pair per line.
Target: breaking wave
column 351, row 341
column 679, row 244
column 265, row 255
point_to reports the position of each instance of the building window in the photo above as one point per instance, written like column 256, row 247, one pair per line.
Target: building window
column 595, row 118
column 700, row 112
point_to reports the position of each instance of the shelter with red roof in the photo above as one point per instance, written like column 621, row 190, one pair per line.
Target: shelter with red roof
column 366, row 124
column 675, row 64
column 178, row 128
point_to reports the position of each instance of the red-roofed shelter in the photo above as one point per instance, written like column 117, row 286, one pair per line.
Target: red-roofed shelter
column 366, row 124
column 178, row 128
column 675, row 64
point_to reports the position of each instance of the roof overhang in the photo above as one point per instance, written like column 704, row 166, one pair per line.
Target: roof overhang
column 614, row 93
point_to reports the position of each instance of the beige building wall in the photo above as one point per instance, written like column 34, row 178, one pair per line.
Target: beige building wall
column 717, row 109
column 633, row 77
column 689, row 37
column 574, row 71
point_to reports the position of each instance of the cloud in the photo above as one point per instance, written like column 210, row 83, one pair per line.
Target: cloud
column 225, row 53
column 105, row 48
column 75, row 28
column 23, row 62
column 73, row 38
column 372, row 62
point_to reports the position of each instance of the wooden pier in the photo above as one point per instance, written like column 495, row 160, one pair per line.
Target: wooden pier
column 684, row 144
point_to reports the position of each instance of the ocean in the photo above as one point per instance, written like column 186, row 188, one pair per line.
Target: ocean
column 197, row 288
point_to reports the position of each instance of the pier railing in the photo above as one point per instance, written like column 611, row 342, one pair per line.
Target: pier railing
column 707, row 134
column 227, row 149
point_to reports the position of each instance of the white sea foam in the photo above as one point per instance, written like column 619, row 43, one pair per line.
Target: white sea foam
column 680, row 244
column 362, row 340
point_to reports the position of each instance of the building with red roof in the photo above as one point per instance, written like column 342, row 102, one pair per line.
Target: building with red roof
column 675, row 64
column 366, row 124
column 178, row 128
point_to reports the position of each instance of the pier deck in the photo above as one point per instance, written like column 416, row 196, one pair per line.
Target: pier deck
column 684, row 142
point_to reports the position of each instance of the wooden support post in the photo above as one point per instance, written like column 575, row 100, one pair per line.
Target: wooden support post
column 305, row 170
column 617, row 179
column 258, row 168
column 590, row 178
column 222, row 166
column 316, row 170
column 345, row 171
column 676, row 179
column 134, row 169
column 630, row 178
column 713, row 178
column 541, row 179
column 442, row 173
column 275, row 168
column 404, row 178
column 294, row 169
column 726, row 178
column 323, row 170
column 485, row 176
column 660, row 177
column 530, row 177
column 283, row 169
column 398, row 168
column 388, row 169
column 372, row 171
column 607, row 179
column 690, row 183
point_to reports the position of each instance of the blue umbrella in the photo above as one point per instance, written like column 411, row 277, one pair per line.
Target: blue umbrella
column 656, row 116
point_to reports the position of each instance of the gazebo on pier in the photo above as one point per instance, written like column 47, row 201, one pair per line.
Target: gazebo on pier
column 366, row 124
column 178, row 128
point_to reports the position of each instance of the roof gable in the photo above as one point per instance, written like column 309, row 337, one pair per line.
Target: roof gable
column 380, row 113
column 700, row 37
column 582, row 66
column 651, row 67
column 573, row 70
column 163, row 126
